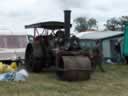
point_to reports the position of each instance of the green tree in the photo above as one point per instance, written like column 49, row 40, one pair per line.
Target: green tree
column 92, row 23
column 116, row 24
column 123, row 20
column 112, row 24
column 81, row 24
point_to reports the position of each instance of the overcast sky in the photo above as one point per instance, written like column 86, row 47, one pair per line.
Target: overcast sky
column 14, row 14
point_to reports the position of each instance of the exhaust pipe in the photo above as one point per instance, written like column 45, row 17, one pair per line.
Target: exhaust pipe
column 67, row 25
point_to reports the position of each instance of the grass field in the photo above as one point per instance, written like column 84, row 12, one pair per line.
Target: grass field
column 114, row 82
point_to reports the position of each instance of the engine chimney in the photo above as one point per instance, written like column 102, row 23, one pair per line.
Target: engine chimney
column 67, row 25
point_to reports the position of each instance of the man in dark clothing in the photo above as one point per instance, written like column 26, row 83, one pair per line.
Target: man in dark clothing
column 97, row 57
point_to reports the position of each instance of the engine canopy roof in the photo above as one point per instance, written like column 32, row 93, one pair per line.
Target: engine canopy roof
column 51, row 25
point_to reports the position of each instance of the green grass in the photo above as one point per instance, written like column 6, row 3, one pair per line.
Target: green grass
column 114, row 82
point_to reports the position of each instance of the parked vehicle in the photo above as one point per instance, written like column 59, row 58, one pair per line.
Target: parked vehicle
column 12, row 46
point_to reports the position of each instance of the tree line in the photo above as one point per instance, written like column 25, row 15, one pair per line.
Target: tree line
column 83, row 24
column 112, row 24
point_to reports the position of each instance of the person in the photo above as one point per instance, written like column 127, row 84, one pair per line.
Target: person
column 97, row 57
column 59, row 41
column 97, row 60
column 117, row 47
column 118, row 51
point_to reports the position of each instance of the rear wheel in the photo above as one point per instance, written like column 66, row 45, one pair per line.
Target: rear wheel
column 32, row 64
column 36, row 65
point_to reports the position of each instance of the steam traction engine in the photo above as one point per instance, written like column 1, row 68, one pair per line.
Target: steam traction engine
column 56, row 47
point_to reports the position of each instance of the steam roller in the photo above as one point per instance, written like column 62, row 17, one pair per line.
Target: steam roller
column 55, row 46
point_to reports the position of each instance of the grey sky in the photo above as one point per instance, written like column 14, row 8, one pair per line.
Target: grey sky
column 14, row 14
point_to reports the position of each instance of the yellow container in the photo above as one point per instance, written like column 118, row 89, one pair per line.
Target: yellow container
column 7, row 68
column 2, row 67
column 13, row 65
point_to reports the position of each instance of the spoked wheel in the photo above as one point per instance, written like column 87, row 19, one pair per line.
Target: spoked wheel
column 32, row 64
column 37, row 65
